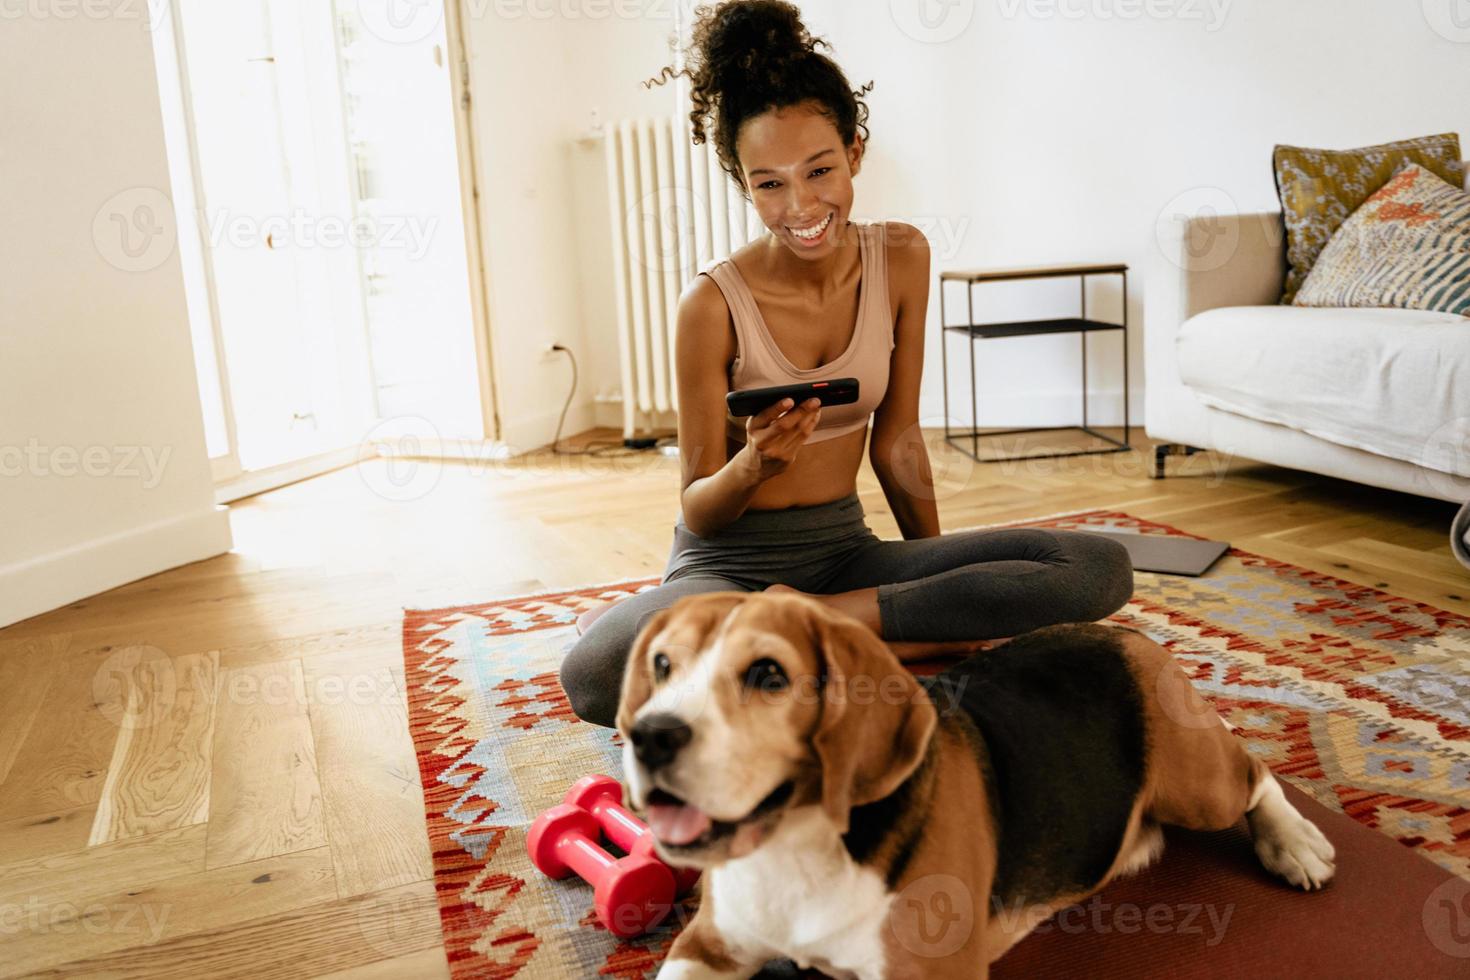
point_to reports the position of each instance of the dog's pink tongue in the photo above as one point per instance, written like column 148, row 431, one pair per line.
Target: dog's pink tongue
column 677, row 824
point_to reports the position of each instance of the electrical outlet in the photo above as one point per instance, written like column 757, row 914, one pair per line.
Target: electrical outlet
column 549, row 351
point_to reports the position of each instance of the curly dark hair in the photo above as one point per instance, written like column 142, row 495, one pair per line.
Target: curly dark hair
column 748, row 56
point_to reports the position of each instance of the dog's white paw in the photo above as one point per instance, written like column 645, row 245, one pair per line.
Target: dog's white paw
column 1291, row 846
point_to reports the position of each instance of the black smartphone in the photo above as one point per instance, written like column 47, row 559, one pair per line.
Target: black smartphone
column 750, row 401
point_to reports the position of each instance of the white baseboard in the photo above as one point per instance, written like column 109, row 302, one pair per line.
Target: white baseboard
column 37, row 585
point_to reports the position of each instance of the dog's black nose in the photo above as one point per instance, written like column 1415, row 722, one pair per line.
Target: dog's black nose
column 658, row 737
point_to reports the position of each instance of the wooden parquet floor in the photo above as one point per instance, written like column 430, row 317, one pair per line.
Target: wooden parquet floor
column 208, row 772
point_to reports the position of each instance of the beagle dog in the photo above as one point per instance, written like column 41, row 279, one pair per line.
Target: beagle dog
column 871, row 824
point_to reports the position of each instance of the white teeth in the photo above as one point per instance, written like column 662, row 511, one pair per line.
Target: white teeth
column 813, row 232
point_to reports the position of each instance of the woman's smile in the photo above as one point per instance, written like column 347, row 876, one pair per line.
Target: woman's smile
column 812, row 235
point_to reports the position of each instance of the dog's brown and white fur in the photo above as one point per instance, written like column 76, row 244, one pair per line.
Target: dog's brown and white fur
column 826, row 805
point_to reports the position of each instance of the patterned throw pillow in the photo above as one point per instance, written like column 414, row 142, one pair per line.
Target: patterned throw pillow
column 1408, row 246
column 1320, row 188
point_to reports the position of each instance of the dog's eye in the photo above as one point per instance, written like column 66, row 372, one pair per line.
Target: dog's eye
column 765, row 675
column 660, row 666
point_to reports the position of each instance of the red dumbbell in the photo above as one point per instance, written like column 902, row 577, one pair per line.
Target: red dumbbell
column 602, row 796
column 631, row 894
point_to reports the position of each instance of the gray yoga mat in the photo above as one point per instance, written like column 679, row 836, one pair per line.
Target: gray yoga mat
column 1168, row 554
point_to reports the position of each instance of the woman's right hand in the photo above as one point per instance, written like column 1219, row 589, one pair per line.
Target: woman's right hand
column 775, row 434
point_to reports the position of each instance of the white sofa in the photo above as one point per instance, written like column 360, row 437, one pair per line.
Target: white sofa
column 1379, row 396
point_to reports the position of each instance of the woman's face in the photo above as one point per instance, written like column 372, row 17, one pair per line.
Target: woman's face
column 799, row 176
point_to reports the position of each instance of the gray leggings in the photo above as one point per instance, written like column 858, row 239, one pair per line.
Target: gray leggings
column 969, row 585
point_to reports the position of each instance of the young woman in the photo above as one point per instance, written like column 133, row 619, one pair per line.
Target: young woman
column 772, row 503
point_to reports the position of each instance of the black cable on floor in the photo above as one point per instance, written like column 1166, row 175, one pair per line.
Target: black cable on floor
column 614, row 449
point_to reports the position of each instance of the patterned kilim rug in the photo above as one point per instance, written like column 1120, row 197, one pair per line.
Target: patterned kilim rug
column 1359, row 698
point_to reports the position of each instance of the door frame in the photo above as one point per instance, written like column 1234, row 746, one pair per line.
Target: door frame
column 466, row 145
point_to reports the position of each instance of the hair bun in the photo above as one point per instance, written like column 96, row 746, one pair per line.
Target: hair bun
column 745, row 34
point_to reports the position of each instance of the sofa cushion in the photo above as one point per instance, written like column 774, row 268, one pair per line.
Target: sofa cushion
column 1392, row 382
column 1407, row 246
column 1320, row 188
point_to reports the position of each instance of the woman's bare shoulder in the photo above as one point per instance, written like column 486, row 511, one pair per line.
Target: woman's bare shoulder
column 705, row 319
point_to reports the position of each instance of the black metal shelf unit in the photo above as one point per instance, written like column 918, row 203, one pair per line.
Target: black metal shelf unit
column 1080, row 325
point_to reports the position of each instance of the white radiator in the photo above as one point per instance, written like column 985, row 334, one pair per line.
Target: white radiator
column 673, row 211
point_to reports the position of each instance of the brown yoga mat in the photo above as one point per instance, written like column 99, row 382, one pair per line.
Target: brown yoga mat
column 1208, row 909
column 1388, row 913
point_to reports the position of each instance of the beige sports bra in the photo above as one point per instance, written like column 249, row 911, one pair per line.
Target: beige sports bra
column 759, row 363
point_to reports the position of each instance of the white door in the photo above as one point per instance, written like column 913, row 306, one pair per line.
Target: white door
column 332, row 239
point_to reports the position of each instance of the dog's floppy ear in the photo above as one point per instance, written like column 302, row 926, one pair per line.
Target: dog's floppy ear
column 637, row 681
column 876, row 720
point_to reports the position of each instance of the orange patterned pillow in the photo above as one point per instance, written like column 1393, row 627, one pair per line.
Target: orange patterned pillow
column 1408, row 246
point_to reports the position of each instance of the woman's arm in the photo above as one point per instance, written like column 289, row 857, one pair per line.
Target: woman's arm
column 713, row 492
column 896, row 449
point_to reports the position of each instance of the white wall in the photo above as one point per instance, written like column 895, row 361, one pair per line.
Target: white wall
column 103, row 472
column 1017, row 132
column 543, row 204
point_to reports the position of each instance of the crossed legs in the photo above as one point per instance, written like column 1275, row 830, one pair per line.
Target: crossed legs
column 943, row 594
column 954, row 593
